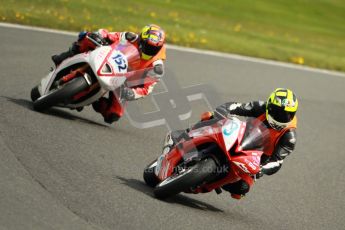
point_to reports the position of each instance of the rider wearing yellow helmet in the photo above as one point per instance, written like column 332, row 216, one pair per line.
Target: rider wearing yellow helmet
column 281, row 108
column 277, row 113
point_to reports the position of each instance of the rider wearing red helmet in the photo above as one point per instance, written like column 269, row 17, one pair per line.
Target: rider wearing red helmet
column 151, row 46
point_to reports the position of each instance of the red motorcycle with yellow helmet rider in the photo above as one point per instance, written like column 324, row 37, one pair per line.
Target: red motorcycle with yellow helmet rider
column 209, row 157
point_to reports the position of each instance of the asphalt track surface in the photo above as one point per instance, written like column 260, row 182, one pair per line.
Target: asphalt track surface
column 68, row 170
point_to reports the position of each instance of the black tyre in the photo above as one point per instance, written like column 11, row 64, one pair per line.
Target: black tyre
column 63, row 94
column 35, row 93
column 149, row 175
column 191, row 177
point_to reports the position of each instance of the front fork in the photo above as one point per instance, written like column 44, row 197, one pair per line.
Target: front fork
column 74, row 73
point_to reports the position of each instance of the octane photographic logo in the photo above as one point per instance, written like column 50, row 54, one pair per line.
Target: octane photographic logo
column 173, row 106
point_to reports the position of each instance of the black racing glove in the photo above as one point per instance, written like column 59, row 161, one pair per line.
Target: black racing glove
column 128, row 94
column 158, row 69
column 130, row 36
column 97, row 39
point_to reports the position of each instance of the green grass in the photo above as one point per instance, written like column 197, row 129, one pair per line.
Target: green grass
column 301, row 31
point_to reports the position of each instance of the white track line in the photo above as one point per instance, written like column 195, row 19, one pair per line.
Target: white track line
column 193, row 50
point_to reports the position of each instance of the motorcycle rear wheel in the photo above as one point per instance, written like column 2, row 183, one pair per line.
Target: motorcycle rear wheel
column 189, row 178
column 62, row 94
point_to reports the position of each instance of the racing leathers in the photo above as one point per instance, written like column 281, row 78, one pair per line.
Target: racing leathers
column 281, row 144
column 111, row 108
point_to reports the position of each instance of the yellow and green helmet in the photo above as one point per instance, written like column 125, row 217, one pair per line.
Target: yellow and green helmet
column 151, row 40
column 281, row 108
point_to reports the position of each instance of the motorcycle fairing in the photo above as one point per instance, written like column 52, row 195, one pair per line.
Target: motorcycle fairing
column 230, row 132
column 225, row 133
column 110, row 65
column 248, row 161
column 47, row 81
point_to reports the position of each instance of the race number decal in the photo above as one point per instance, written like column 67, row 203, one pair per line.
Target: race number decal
column 230, row 132
column 120, row 62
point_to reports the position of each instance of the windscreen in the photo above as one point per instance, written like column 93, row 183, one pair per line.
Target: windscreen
column 256, row 135
column 135, row 74
column 131, row 53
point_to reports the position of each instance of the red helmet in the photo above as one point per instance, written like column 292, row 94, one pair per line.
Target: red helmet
column 151, row 41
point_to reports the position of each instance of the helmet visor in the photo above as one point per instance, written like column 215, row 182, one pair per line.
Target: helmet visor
column 279, row 114
column 148, row 49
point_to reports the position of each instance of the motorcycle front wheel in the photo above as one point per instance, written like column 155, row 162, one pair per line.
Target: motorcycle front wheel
column 149, row 175
column 35, row 93
column 63, row 94
column 187, row 178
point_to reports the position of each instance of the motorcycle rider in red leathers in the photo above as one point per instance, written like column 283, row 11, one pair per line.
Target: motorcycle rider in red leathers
column 278, row 114
column 151, row 45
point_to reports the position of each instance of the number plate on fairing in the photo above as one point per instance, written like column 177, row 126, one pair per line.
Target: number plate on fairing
column 118, row 61
column 230, row 132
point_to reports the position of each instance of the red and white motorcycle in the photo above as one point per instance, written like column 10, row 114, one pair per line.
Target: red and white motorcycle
column 84, row 78
column 206, row 158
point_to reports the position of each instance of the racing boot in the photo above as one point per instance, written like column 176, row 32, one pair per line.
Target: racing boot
column 113, row 117
column 237, row 189
column 102, row 106
column 58, row 58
